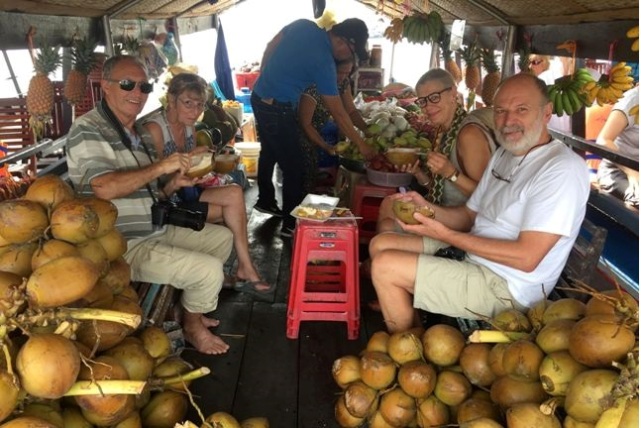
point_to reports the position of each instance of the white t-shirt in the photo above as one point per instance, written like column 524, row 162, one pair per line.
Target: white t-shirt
column 627, row 142
column 548, row 192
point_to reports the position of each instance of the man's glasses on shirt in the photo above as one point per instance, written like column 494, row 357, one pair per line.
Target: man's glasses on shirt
column 434, row 98
column 129, row 85
column 508, row 179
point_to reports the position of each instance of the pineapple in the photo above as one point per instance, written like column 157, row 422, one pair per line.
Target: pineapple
column 40, row 92
column 448, row 62
column 130, row 46
column 492, row 78
column 471, row 57
column 83, row 60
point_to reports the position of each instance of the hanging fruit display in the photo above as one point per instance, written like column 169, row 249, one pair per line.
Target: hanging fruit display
column 567, row 94
column 416, row 28
column 610, row 87
column 40, row 92
column 83, row 60
column 448, row 62
column 492, row 78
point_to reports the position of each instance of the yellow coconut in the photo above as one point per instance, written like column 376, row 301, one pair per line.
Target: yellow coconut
column 107, row 214
column 222, row 420
column 48, row 365
column 28, row 422
column 46, row 411
column 73, row 418
column 114, row 244
column 118, row 276
column 133, row 356
column 378, row 370
column 61, row 281
column 51, row 250
column 92, row 250
column 9, row 391
column 257, row 422
column 404, row 347
column 49, row 191
column 18, row 259
column 155, row 341
column 443, row 344
column 165, row 409
column 75, row 221
column 22, row 220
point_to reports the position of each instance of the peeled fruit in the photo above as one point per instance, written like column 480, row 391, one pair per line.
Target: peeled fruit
column 257, row 422
column 9, row 391
column 506, row 392
column 404, row 211
column 346, row 369
column 417, row 378
column 378, row 341
column 51, row 250
column 557, row 371
column 48, row 365
column 166, row 409
column 75, row 221
column 397, row 408
column 404, row 347
column 587, row 394
column 360, row 400
column 61, row 281
column 528, row 414
column 598, row 340
column 474, row 408
column 201, row 165
column 226, row 163
column 133, row 356
column 452, row 388
column 522, row 359
column 22, row 220
column 432, row 412
column 28, row 422
column 442, row 344
column 114, row 244
column 475, row 363
column 107, row 214
column 155, row 341
column 567, row 308
column 400, row 156
column 49, row 191
column 344, row 418
column 555, row 336
column 378, row 370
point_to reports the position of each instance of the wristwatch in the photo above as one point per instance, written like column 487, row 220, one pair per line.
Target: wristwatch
column 454, row 176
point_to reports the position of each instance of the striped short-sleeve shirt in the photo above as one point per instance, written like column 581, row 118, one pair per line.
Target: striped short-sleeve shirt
column 94, row 148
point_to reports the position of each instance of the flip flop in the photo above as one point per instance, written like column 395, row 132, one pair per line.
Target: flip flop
column 249, row 287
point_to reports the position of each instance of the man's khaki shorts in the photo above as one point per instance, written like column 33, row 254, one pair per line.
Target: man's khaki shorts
column 458, row 288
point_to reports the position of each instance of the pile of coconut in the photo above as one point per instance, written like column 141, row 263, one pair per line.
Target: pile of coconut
column 564, row 363
column 72, row 351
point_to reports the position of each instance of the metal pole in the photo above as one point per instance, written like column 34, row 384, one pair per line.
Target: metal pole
column 13, row 75
column 507, row 60
column 109, row 43
column 391, row 65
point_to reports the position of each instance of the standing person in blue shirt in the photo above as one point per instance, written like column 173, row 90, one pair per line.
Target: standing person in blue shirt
column 300, row 55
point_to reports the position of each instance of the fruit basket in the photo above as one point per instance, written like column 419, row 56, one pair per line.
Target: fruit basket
column 388, row 179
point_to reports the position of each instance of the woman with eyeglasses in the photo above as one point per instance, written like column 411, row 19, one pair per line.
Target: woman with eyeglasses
column 319, row 128
column 460, row 153
column 173, row 130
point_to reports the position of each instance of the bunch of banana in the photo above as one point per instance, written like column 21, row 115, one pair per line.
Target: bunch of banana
column 415, row 28
column 633, row 33
column 634, row 111
column 394, row 32
column 610, row 87
column 567, row 94
column 423, row 28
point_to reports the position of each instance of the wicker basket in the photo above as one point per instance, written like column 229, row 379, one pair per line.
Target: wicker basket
column 388, row 179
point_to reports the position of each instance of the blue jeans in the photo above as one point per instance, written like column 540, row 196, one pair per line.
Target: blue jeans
column 279, row 134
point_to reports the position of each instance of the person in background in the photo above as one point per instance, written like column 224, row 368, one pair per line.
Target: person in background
column 111, row 157
column 621, row 133
column 316, row 121
column 300, row 55
column 173, row 131
column 460, row 154
column 517, row 228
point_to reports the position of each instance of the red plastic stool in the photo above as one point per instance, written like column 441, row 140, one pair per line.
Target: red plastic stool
column 324, row 284
column 366, row 202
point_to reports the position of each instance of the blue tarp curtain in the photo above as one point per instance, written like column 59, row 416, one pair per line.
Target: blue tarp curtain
column 222, row 67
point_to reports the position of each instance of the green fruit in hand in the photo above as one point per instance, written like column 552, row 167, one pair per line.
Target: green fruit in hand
column 342, row 146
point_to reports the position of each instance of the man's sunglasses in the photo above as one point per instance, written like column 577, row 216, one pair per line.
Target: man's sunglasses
column 129, row 85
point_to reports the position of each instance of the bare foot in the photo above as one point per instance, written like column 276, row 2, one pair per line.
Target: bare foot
column 206, row 342
column 210, row 322
column 247, row 274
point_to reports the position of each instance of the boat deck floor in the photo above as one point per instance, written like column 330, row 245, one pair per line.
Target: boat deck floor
column 264, row 373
